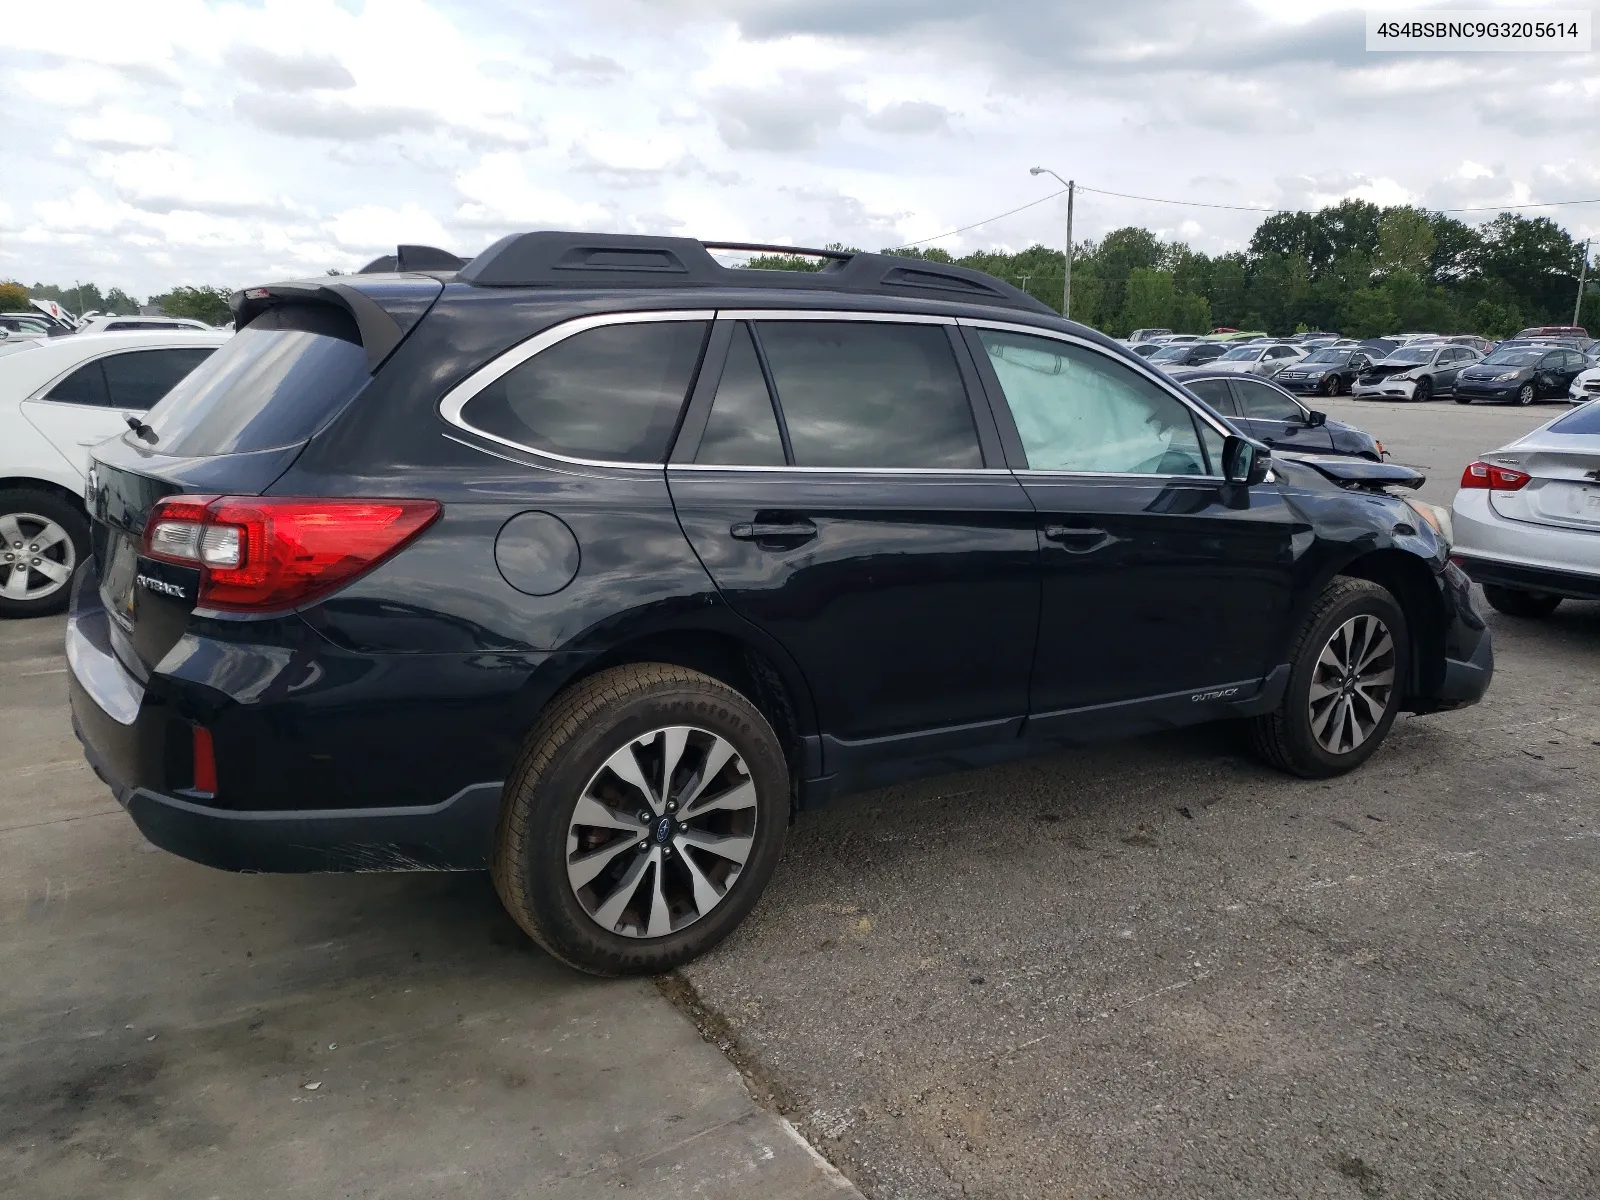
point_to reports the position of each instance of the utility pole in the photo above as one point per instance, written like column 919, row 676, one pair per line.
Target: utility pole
column 1066, row 288
column 1583, row 274
column 1072, row 187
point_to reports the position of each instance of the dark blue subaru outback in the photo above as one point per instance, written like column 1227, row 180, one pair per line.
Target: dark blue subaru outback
column 592, row 561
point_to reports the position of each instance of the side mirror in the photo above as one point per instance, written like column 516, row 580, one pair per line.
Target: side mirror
column 1316, row 419
column 1244, row 460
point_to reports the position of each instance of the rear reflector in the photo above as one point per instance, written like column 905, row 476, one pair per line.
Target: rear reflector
column 205, row 762
column 1492, row 478
column 262, row 553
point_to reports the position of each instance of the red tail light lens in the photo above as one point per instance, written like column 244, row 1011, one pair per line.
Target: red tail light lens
column 260, row 553
column 1492, row 478
column 205, row 762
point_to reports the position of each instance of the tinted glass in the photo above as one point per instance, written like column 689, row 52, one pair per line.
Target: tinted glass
column 1336, row 357
column 870, row 394
column 611, row 393
column 1243, row 354
column 1582, row 420
column 86, row 385
column 1079, row 410
column 1215, row 393
column 742, row 429
column 1262, row 402
column 1512, row 358
column 274, row 383
column 139, row 378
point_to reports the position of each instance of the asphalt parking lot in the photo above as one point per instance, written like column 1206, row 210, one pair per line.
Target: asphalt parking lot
column 1152, row 968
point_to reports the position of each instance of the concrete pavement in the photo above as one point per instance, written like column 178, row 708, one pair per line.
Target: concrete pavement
column 175, row 1031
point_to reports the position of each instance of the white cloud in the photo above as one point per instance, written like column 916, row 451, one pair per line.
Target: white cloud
column 229, row 140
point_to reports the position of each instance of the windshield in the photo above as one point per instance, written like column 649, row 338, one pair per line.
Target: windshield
column 1242, row 354
column 1513, row 358
column 1168, row 353
column 1329, row 356
column 272, row 384
column 1412, row 354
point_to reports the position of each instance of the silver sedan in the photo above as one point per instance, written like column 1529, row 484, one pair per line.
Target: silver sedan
column 1527, row 518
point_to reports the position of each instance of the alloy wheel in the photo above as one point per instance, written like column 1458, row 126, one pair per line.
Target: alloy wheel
column 1525, row 394
column 1352, row 685
column 37, row 556
column 661, row 832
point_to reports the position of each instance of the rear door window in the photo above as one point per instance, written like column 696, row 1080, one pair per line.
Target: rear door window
column 1215, row 393
column 273, row 384
column 610, row 394
column 742, row 429
column 86, row 385
column 870, row 394
column 139, row 378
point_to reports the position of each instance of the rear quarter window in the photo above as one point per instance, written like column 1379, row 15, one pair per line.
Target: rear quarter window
column 611, row 394
column 273, row 384
column 1584, row 420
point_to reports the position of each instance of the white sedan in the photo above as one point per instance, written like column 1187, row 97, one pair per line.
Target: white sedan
column 58, row 397
column 1527, row 518
column 1258, row 358
column 1585, row 386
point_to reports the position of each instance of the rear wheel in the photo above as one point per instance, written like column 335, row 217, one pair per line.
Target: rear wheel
column 1345, row 679
column 643, row 821
column 1515, row 602
column 43, row 538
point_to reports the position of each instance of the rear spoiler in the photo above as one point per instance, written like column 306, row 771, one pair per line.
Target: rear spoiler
column 1358, row 472
column 383, row 312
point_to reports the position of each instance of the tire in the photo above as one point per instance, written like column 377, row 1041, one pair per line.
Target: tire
column 1307, row 734
column 1460, row 399
column 1525, row 394
column 540, row 853
column 1329, row 386
column 45, row 538
column 1423, row 392
column 1515, row 602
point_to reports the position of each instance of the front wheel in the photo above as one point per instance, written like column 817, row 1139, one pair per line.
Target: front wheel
column 1525, row 394
column 1329, row 386
column 1423, row 391
column 643, row 821
column 43, row 538
column 1515, row 602
column 1460, row 399
column 1345, row 678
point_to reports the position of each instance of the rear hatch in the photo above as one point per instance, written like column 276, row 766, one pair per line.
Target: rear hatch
column 232, row 427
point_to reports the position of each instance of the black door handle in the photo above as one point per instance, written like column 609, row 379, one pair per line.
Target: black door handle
column 1077, row 541
column 775, row 531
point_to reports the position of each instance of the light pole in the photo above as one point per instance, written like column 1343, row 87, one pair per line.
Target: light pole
column 1583, row 275
column 1066, row 287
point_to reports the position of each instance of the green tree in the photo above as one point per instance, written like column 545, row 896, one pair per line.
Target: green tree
column 1494, row 320
column 120, row 303
column 1191, row 314
column 1149, row 301
column 1405, row 242
column 1229, row 282
column 1368, row 312
column 208, row 304
column 13, row 296
column 1454, row 245
column 1536, row 261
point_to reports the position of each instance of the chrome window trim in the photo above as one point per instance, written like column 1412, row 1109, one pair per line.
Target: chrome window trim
column 456, row 398
column 1137, row 364
column 827, row 314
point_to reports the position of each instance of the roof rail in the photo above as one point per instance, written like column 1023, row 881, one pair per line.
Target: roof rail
column 414, row 258
column 550, row 258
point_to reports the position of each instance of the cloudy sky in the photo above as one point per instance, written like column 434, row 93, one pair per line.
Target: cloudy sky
column 176, row 141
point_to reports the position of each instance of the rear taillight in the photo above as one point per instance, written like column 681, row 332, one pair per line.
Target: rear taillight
column 1492, row 478
column 258, row 553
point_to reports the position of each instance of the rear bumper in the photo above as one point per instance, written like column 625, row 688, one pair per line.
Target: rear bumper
column 1573, row 585
column 133, row 737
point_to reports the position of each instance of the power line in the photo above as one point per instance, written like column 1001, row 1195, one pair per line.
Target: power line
column 1207, row 204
